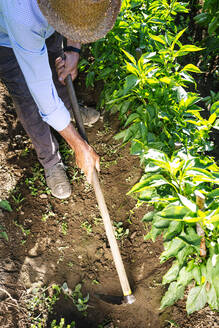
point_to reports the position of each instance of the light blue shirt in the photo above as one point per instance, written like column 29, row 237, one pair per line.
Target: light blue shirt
column 24, row 28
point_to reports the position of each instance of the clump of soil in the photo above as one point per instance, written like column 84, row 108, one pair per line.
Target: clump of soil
column 53, row 241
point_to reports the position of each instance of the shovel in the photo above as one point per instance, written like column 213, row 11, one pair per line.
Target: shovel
column 128, row 297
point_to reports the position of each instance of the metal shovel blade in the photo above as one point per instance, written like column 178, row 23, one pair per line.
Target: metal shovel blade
column 116, row 300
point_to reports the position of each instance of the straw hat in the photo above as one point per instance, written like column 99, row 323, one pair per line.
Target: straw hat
column 82, row 21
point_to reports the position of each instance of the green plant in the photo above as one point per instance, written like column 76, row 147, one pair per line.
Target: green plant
column 120, row 232
column 46, row 216
column 140, row 63
column 77, row 297
column 172, row 323
column 65, row 151
column 171, row 185
column 64, row 228
column 25, row 232
column 39, row 303
column 132, row 30
column 213, row 98
column 37, row 183
column 62, row 324
column 18, row 199
column 209, row 16
column 3, row 233
column 5, row 205
column 87, row 226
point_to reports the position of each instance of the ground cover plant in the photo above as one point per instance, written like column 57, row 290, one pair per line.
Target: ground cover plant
column 146, row 82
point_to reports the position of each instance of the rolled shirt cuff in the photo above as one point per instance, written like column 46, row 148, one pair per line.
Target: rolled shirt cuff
column 58, row 119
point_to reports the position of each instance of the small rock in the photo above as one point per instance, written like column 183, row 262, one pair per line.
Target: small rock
column 133, row 235
column 34, row 252
column 43, row 196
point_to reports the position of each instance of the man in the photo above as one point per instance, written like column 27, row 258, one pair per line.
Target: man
column 30, row 54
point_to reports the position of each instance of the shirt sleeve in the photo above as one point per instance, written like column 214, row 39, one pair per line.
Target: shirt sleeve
column 31, row 53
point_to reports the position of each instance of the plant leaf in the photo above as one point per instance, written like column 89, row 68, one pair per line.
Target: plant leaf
column 4, row 235
column 174, row 229
column 174, row 212
column 157, row 38
column 171, row 274
column 130, row 57
column 155, row 180
column 175, row 292
column 148, row 217
column 171, row 249
column 188, row 203
column 4, row 204
column 197, row 299
column 191, row 68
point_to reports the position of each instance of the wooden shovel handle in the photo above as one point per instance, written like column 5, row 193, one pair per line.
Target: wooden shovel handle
column 100, row 198
column 111, row 236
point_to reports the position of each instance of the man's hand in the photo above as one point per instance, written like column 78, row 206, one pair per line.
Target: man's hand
column 86, row 158
column 67, row 66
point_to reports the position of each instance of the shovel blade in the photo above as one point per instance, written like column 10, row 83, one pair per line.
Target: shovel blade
column 112, row 299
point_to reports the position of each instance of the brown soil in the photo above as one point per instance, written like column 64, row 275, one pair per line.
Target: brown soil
column 45, row 248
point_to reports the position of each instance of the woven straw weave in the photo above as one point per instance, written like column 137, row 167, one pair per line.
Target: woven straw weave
column 82, row 21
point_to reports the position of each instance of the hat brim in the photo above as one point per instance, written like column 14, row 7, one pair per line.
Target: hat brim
column 82, row 34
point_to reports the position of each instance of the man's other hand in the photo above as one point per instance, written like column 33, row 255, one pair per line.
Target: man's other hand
column 67, row 66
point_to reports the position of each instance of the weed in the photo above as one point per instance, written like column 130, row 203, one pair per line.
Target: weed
column 98, row 221
column 46, row 216
column 25, row 152
column 64, row 228
column 40, row 302
column 87, row 226
column 107, row 164
column 77, row 297
column 65, row 150
column 172, row 323
column 120, row 232
column 25, row 232
column 18, row 199
column 3, row 233
column 70, row 264
column 37, row 183
column 62, row 324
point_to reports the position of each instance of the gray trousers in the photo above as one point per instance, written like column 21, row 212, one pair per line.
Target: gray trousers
column 44, row 142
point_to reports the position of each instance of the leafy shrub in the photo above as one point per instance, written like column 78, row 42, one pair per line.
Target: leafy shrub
column 146, row 84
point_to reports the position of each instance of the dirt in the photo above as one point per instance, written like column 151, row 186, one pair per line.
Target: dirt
column 53, row 241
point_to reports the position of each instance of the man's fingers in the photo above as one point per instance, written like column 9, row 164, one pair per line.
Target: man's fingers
column 60, row 64
column 97, row 165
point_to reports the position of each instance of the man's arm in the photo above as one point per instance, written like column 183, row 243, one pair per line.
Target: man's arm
column 32, row 57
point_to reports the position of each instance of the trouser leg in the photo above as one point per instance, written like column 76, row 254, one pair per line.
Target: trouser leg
column 44, row 142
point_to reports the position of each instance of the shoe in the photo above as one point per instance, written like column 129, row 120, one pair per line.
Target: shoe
column 57, row 181
column 89, row 115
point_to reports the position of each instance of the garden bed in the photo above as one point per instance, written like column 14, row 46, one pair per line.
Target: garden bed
column 52, row 241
